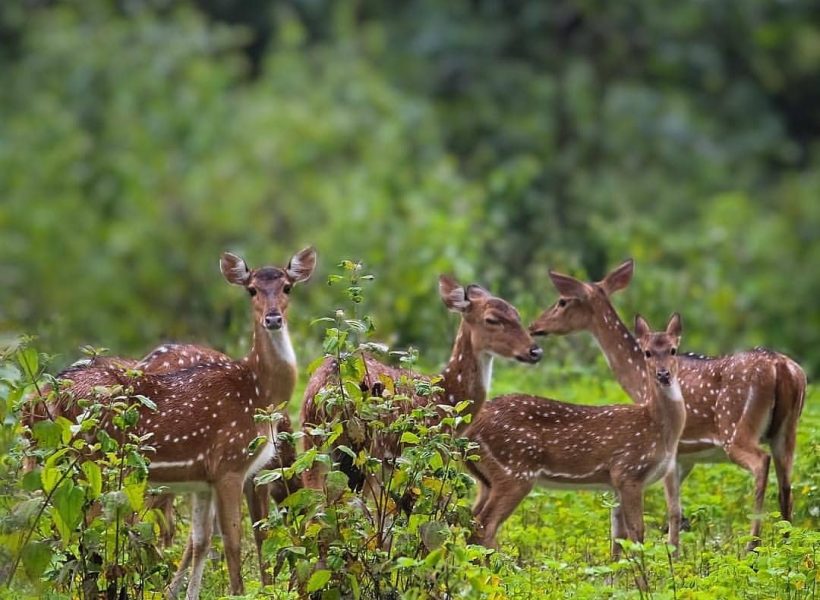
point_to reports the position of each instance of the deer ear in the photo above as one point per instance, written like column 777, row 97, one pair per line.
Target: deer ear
column 476, row 292
column 234, row 269
column 301, row 264
column 452, row 294
column 618, row 278
column 641, row 326
column 568, row 286
column 675, row 325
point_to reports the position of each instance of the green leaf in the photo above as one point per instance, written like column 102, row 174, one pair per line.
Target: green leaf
column 32, row 481
column 36, row 557
column 68, row 504
column 136, row 494
column 433, row 534
column 94, row 476
column 29, row 361
column 47, row 434
column 408, row 437
column 318, row 580
column 145, row 401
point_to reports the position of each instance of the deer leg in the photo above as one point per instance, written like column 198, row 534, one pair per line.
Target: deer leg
column 258, row 498
column 618, row 531
column 164, row 503
column 502, row 500
column 783, row 454
column 671, row 487
column 229, row 513
column 752, row 458
column 196, row 549
column 631, row 497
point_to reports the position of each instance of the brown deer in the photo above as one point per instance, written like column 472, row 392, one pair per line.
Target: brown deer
column 489, row 327
column 93, row 379
column 733, row 402
column 205, row 415
column 526, row 440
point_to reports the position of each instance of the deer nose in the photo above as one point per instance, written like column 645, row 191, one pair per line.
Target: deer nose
column 274, row 320
column 664, row 376
column 535, row 353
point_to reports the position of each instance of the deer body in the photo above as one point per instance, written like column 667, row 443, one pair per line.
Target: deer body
column 526, row 441
column 490, row 326
column 733, row 402
column 206, row 404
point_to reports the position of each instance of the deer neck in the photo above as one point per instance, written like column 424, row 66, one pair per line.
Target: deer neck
column 468, row 373
column 668, row 411
column 622, row 353
column 273, row 364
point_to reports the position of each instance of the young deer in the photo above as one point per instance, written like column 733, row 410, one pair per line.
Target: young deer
column 733, row 402
column 489, row 327
column 205, row 415
column 525, row 440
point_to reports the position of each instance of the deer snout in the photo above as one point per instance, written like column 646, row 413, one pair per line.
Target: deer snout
column 537, row 330
column 663, row 376
column 533, row 355
column 274, row 320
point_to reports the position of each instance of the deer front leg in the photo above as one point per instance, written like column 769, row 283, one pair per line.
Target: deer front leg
column 258, row 498
column 671, row 487
column 229, row 512
column 618, row 531
column 631, row 496
column 196, row 549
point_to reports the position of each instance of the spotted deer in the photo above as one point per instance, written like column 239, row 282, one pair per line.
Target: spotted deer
column 733, row 402
column 490, row 326
column 93, row 379
column 205, row 415
column 525, row 441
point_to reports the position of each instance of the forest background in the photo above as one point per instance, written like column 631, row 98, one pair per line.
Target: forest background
column 493, row 140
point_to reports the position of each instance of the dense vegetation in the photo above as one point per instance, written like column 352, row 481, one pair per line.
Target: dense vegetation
column 492, row 140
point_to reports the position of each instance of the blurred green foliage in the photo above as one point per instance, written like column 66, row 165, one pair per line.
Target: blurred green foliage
column 488, row 139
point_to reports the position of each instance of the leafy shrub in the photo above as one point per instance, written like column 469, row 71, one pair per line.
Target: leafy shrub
column 408, row 537
column 79, row 519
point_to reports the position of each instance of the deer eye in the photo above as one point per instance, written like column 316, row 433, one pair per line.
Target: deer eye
column 673, row 351
column 287, row 288
column 647, row 354
column 492, row 321
column 562, row 302
column 252, row 291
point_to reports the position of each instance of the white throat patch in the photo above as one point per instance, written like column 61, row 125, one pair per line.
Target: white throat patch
column 281, row 344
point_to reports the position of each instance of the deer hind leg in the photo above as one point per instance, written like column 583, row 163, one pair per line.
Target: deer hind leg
column 196, row 549
column 258, row 498
column 783, row 454
column 502, row 500
column 790, row 393
column 229, row 512
column 752, row 458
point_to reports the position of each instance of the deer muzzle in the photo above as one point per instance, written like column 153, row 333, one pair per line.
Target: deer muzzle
column 664, row 377
column 274, row 320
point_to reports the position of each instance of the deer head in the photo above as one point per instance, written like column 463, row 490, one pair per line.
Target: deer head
column 579, row 301
column 660, row 349
column 269, row 287
column 493, row 325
